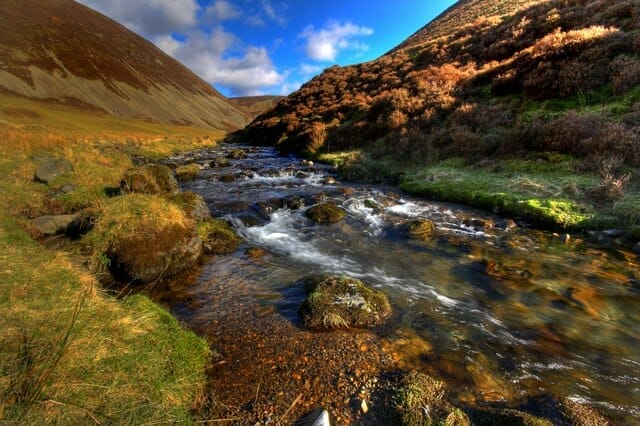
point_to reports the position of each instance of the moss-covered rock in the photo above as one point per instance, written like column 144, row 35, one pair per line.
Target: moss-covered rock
column 255, row 252
column 187, row 172
column 221, row 162
column 218, row 237
column 325, row 213
column 420, row 400
column 340, row 302
column 193, row 205
column 143, row 238
column 237, row 154
column 149, row 179
column 421, row 229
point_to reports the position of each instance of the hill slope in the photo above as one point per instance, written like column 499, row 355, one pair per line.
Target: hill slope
column 253, row 106
column 498, row 80
column 63, row 52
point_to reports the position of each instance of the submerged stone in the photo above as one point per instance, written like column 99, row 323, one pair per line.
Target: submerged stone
column 325, row 213
column 340, row 302
column 421, row 228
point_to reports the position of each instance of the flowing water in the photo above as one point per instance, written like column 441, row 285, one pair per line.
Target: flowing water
column 503, row 314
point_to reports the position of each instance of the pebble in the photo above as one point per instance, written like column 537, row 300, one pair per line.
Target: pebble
column 364, row 407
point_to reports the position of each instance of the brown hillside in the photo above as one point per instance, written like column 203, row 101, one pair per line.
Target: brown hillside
column 487, row 77
column 61, row 51
column 253, row 106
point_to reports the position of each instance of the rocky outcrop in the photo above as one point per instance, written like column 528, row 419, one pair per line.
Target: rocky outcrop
column 52, row 169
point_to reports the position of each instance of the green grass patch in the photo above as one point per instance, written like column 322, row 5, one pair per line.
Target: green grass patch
column 546, row 194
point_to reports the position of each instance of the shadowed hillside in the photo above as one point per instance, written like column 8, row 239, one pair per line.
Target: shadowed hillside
column 492, row 79
column 253, row 106
column 62, row 52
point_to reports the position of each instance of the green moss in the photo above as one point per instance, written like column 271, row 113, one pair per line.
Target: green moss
column 340, row 302
column 218, row 237
column 325, row 213
column 187, row 172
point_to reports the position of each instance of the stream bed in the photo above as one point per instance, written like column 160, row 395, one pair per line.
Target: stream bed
column 506, row 314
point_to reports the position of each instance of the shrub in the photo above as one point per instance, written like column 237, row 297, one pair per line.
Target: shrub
column 625, row 73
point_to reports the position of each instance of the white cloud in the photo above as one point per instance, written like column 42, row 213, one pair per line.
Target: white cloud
column 308, row 70
column 248, row 73
column 327, row 42
column 222, row 10
column 151, row 17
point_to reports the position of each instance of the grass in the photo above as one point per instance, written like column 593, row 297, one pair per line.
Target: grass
column 69, row 353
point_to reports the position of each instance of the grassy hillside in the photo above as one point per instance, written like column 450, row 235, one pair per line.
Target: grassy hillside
column 70, row 353
column 541, row 99
column 63, row 52
column 253, row 106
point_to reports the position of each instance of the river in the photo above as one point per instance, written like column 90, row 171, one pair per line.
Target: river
column 506, row 315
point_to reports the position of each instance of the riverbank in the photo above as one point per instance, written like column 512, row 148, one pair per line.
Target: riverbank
column 547, row 190
column 71, row 352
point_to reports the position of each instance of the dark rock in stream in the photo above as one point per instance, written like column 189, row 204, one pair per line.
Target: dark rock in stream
column 325, row 213
column 221, row 162
column 421, row 229
column 228, row 177
column 237, row 154
column 340, row 302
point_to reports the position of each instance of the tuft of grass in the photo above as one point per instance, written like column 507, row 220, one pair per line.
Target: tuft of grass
column 187, row 172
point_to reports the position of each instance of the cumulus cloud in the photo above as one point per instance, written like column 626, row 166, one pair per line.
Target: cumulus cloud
column 150, row 17
column 326, row 43
column 249, row 72
column 222, row 10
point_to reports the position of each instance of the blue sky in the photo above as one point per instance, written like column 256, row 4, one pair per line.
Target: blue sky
column 253, row 47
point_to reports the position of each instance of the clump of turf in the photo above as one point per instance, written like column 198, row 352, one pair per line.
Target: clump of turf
column 340, row 302
column 218, row 237
column 193, row 205
column 187, row 172
column 149, row 179
column 420, row 400
column 325, row 213
column 143, row 238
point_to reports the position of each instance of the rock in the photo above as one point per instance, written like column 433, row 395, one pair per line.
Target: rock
column 144, row 238
column 421, row 228
column 325, row 213
column 340, row 302
column 613, row 233
column 307, row 163
column 329, row 181
column 582, row 414
column 479, row 223
column 294, row 202
column 221, row 162
column 636, row 248
column 193, row 205
column 364, row 407
column 506, row 417
column 302, row 175
column 149, row 179
column 218, row 237
column 237, row 154
column 565, row 238
column 255, row 252
column 52, row 169
column 507, row 224
column 52, row 225
column 370, row 204
column 67, row 188
column 347, row 190
column 228, row 177
column 497, row 270
column 187, row 172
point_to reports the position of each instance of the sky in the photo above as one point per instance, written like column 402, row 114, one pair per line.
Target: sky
column 270, row 47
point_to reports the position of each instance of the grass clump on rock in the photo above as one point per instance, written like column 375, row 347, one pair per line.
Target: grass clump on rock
column 420, row 400
column 193, row 205
column 187, row 172
column 340, row 302
column 149, row 179
column 218, row 237
column 325, row 213
column 143, row 238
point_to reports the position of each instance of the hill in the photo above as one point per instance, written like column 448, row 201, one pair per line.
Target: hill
column 253, row 106
column 550, row 84
column 60, row 51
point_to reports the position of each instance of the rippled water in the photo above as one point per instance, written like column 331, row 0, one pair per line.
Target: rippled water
column 504, row 315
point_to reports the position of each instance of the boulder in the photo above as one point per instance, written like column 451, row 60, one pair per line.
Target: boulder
column 228, row 178
column 237, row 154
column 52, row 169
column 193, row 205
column 52, row 225
column 421, row 229
column 143, row 238
column 325, row 213
column 187, row 172
column 341, row 302
column 221, row 162
column 218, row 237
column 149, row 179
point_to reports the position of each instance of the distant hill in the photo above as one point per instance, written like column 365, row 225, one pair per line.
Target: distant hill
column 63, row 52
column 253, row 106
column 487, row 77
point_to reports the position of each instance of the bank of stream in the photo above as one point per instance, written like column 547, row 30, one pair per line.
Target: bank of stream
column 506, row 314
